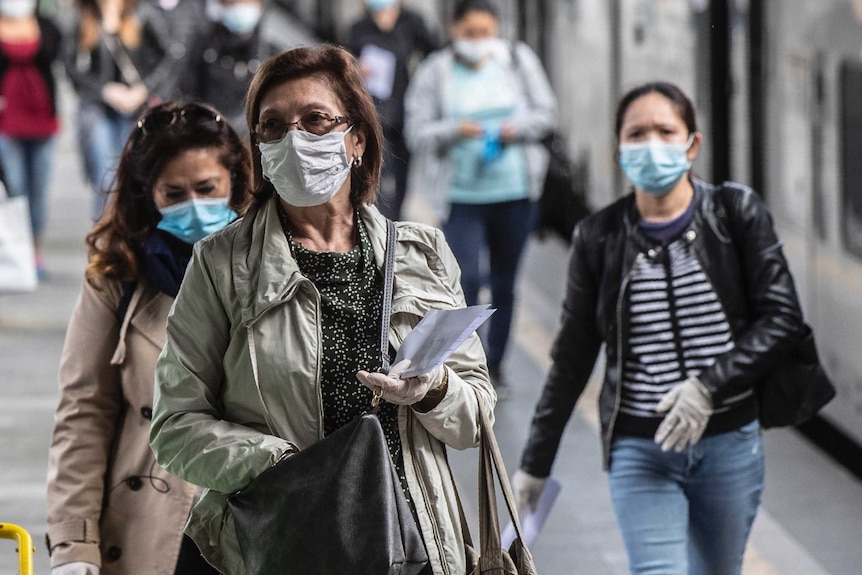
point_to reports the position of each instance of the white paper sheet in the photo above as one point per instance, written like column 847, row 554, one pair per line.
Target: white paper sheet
column 533, row 521
column 439, row 334
column 379, row 65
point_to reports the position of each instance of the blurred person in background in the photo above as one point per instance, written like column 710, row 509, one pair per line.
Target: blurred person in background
column 29, row 45
column 685, row 286
column 229, row 51
column 475, row 114
column 118, row 60
column 182, row 21
column 184, row 173
column 388, row 40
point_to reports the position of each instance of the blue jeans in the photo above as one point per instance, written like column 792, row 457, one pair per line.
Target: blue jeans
column 27, row 166
column 496, row 234
column 687, row 513
column 102, row 133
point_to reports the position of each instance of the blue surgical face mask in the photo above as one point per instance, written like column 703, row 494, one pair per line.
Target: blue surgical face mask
column 376, row 5
column 240, row 18
column 654, row 166
column 197, row 218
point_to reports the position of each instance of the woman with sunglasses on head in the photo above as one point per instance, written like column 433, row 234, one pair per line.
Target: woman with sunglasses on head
column 184, row 173
column 686, row 285
column 277, row 328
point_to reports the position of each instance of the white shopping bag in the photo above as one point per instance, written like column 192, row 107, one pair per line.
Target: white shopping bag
column 17, row 260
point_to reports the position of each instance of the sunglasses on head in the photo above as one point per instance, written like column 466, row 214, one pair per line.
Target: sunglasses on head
column 158, row 120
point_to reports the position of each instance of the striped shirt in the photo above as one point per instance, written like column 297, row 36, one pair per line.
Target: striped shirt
column 676, row 328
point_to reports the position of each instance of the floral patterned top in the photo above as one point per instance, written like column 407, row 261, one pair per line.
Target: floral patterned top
column 350, row 288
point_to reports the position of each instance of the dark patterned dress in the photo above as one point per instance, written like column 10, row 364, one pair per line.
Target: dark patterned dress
column 351, row 289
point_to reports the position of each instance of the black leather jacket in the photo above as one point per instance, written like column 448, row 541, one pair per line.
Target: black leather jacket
column 736, row 245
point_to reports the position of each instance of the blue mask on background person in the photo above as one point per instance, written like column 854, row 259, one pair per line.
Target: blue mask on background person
column 376, row 5
column 241, row 18
column 197, row 218
column 653, row 166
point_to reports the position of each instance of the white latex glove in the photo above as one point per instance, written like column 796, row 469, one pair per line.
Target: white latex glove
column 527, row 489
column 76, row 568
column 690, row 405
column 401, row 391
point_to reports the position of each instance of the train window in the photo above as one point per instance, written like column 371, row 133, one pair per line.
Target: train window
column 851, row 153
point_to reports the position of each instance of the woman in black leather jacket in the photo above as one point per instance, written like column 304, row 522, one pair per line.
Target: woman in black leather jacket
column 680, row 432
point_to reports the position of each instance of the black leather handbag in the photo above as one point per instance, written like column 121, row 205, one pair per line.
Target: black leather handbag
column 795, row 389
column 335, row 507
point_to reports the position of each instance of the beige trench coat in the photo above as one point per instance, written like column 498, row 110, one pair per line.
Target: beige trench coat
column 109, row 503
column 237, row 384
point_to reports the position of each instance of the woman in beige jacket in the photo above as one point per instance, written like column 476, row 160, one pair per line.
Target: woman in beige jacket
column 111, row 509
column 279, row 312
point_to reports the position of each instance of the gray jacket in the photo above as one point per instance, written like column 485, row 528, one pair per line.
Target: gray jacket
column 429, row 133
column 238, row 383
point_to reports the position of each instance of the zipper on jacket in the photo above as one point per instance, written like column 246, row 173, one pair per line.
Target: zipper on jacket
column 619, row 395
column 431, row 517
column 674, row 316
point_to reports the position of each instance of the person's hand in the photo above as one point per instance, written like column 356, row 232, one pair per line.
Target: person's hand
column 124, row 99
column 508, row 133
column 690, row 405
column 76, row 568
column 527, row 489
column 113, row 93
column 394, row 389
column 470, row 129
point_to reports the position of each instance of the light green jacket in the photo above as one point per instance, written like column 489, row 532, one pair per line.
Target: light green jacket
column 238, row 382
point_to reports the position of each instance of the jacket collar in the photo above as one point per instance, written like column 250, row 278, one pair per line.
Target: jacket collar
column 265, row 273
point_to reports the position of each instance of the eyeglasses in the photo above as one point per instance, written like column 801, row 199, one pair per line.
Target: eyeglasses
column 317, row 123
column 190, row 114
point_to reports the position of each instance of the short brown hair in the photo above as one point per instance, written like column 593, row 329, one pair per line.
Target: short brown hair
column 132, row 214
column 340, row 70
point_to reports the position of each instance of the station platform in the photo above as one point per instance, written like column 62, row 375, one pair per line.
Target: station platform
column 809, row 523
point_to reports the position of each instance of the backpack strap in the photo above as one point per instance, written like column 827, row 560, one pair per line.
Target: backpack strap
column 125, row 300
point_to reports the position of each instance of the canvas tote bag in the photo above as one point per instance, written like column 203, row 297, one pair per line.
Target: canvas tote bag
column 17, row 259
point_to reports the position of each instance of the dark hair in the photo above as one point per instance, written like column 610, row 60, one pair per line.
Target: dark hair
column 677, row 97
column 132, row 214
column 464, row 6
column 340, row 71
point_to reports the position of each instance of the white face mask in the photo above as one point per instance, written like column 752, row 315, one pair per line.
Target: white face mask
column 474, row 51
column 17, row 8
column 306, row 170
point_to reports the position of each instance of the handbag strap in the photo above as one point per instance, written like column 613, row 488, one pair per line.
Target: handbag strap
column 122, row 59
column 490, row 460
column 388, row 276
column 495, row 463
